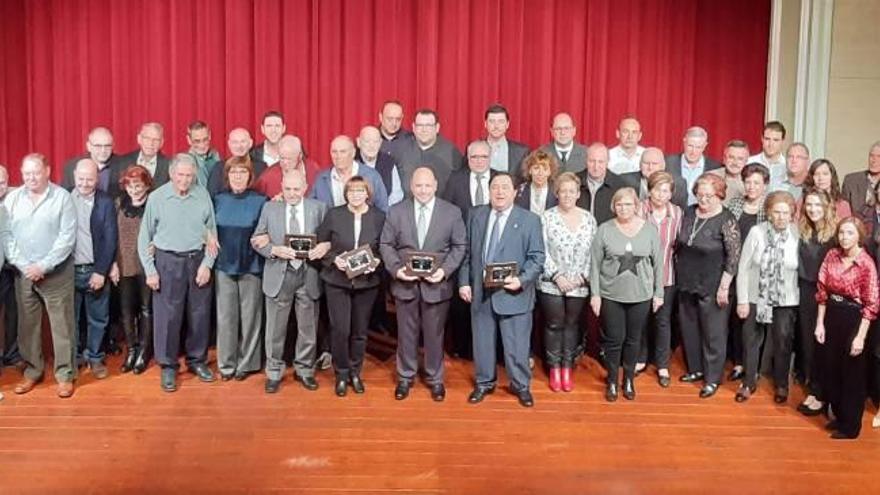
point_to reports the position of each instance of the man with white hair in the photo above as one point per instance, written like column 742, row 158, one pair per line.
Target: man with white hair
column 369, row 153
column 692, row 163
column 150, row 140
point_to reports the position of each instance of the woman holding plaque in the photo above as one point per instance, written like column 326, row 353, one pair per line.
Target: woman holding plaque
column 563, row 287
column 626, row 279
column 707, row 256
column 239, row 270
column 536, row 193
column 351, row 278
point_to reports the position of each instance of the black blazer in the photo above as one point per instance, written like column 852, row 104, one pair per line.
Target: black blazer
column 338, row 228
column 104, row 230
column 612, row 183
column 673, row 164
column 523, row 197
column 114, row 163
column 458, row 190
column 516, row 155
column 162, row 163
column 679, row 195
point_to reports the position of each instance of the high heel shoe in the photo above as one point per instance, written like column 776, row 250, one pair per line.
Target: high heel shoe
column 567, row 379
column 629, row 389
column 555, row 379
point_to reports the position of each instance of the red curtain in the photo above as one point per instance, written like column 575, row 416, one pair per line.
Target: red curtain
column 70, row 65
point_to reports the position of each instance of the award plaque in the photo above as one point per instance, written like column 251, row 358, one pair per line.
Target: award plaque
column 495, row 273
column 420, row 263
column 359, row 261
column 302, row 244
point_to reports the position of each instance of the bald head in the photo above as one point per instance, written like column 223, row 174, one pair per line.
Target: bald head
column 369, row 142
column 85, row 176
column 293, row 186
column 652, row 161
column 240, row 141
column 342, row 152
column 289, row 152
column 423, row 185
column 597, row 161
column 99, row 145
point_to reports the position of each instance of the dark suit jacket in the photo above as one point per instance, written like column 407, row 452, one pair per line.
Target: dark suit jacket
column 338, row 228
column 679, row 195
column 104, row 230
column 603, row 212
column 673, row 164
column 521, row 241
column 855, row 190
column 446, row 235
column 162, row 163
column 575, row 162
column 115, row 161
column 523, row 197
column 516, row 154
column 458, row 190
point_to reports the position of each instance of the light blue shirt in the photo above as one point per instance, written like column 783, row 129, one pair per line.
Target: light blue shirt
column 498, row 156
column 396, row 194
column 690, row 175
column 42, row 232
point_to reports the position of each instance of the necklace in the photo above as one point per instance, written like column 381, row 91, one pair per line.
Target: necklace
column 695, row 229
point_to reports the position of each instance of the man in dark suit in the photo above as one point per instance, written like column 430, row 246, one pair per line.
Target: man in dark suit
column 273, row 128
column 571, row 155
column 502, row 233
column 428, row 224
column 856, row 185
column 99, row 147
column 692, row 163
column 652, row 161
column 506, row 155
column 289, row 281
column 598, row 184
column 469, row 187
column 150, row 140
column 93, row 256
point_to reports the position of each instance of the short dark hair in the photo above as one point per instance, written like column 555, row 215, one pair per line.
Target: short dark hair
column 427, row 111
column 774, row 125
column 501, row 174
column 496, row 108
column 273, row 113
column 755, row 168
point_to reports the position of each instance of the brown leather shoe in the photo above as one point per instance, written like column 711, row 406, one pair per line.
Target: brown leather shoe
column 65, row 389
column 25, row 386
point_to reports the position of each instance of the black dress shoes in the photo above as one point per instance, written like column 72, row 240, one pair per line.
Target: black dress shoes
column 708, row 390
column 839, row 435
column 735, row 374
column 611, row 392
column 809, row 412
column 744, row 393
column 781, row 396
column 357, row 384
column 832, row 425
column 140, row 363
column 169, row 379
column 438, row 392
column 241, row 376
column 128, row 363
column 629, row 389
column 341, row 387
column 308, row 382
column 401, row 391
column 525, row 398
column 202, row 371
column 691, row 377
column 479, row 394
column 664, row 381
column 272, row 386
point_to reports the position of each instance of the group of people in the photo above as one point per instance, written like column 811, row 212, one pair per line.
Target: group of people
column 762, row 260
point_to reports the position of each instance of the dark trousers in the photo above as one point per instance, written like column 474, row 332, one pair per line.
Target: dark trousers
column 179, row 297
column 704, row 334
column 349, row 318
column 843, row 376
column 659, row 330
column 622, row 328
column 136, row 308
column 735, row 330
column 94, row 306
column 10, row 354
column 461, row 338
column 806, row 336
column 562, row 317
column 782, row 332
column 418, row 316
column 516, row 335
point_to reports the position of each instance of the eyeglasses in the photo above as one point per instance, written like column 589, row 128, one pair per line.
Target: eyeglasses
column 479, row 157
column 101, row 146
column 563, row 128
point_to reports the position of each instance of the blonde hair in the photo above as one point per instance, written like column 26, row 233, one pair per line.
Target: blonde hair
column 807, row 228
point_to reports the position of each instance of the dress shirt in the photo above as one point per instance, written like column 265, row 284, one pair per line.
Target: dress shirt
column 690, row 174
column 428, row 213
column 83, row 251
column 776, row 167
column 150, row 164
column 484, row 184
column 505, row 214
column 593, row 185
column 620, row 163
column 337, row 186
column 560, row 150
column 395, row 195
column 498, row 155
column 857, row 282
column 41, row 232
column 301, row 226
column 538, row 197
column 268, row 159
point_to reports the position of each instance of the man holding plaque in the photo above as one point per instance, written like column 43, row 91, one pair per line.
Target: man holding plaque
column 423, row 242
column 498, row 275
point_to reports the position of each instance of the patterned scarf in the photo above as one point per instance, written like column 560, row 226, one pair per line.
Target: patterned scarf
column 770, row 276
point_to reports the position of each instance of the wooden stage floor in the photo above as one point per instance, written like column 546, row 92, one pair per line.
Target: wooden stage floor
column 124, row 435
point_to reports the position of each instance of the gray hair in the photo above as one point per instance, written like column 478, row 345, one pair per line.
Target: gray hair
column 478, row 142
column 696, row 131
column 182, row 159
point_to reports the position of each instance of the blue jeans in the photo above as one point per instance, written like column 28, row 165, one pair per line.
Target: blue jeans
column 97, row 309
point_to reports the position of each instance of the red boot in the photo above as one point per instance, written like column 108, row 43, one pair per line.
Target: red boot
column 555, row 383
column 567, row 383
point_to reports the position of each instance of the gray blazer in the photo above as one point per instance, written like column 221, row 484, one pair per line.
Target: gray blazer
column 855, row 190
column 521, row 241
column 272, row 221
column 575, row 162
column 446, row 235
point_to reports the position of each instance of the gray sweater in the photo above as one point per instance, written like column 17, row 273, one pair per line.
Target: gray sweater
column 624, row 269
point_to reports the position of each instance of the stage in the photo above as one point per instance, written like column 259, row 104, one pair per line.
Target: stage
column 124, row 435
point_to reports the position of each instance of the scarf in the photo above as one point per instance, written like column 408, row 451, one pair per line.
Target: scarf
column 770, row 274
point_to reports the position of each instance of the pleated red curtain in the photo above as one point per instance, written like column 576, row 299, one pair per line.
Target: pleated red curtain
column 70, row 65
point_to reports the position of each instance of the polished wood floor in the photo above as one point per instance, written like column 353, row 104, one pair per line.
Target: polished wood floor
column 124, row 435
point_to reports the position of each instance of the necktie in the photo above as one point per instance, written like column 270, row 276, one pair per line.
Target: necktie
column 422, row 225
column 479, row 198
column 494, row 236
column 293, row 228
column 563, row 155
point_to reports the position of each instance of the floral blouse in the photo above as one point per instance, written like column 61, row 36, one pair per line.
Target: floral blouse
column 568, row 252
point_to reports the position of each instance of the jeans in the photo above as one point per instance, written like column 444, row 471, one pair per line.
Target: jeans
column 97, row 313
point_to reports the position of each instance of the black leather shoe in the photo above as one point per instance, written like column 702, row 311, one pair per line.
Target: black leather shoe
column 308, row 382
column 140, row 363
column 806, row 411
column 438, row 392
column 629, row 389
column 744, row 393
column 832, row 425
column 202, row 371
column 708, row 390
column 839, row 435
column 225, row 377
column 401, row 391
column 272, row 386
column 525, row 398
column 357, row 384
column 241, row 376
column 479, row 394
column 691, row 377
column 128, row 362
column 611, row 392
column 735, row 374
column 664, row 381
column 169, row 379
column 341, row 387
column 781, row 396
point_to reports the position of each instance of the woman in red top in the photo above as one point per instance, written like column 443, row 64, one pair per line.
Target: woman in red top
column 848, row 302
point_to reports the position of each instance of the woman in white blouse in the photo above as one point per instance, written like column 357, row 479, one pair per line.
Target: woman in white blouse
column 562, row 288
column 767, row 293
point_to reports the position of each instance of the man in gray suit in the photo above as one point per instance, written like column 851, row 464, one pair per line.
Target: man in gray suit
column 289, row 281
column 502, row 233
column 859, row 186
column 429, row 224
column 572, row 155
